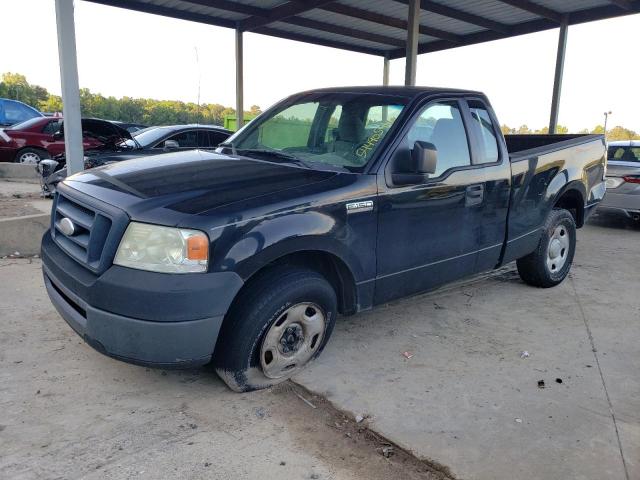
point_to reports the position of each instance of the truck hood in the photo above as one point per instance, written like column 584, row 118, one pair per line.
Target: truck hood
column 193, row 182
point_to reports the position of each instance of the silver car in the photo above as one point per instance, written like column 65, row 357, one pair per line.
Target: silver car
column 623, row 179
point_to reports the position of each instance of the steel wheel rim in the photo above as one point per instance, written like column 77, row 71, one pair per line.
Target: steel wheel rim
column 29, row 158
column 292, row 340
column 558, row 249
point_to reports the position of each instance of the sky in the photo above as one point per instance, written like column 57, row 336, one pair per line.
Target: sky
column 125, row 53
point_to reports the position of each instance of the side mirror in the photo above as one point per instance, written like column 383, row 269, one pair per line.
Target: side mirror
column 424, row 157
column 171, row 145
column 58, row 135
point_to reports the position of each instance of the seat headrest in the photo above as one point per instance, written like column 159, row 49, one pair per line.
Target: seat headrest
column 350, row 127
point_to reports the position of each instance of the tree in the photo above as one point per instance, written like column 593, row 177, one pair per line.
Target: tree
column 16, row 87
column 621, row 133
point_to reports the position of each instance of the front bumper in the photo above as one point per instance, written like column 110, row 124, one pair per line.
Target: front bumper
column 161, row 320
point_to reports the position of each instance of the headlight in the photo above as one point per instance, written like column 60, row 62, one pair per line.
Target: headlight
column 163, row 249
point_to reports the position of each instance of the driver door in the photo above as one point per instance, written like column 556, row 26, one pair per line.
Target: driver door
column 427, row 231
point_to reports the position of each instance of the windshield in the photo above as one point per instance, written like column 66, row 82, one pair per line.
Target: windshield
column 148, row 136
column 334, row 129
column 624, row 154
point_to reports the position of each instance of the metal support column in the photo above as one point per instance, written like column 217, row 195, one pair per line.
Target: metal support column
column 385, row 71
column 412, row 42
column 239, row 81
column 557, row 81
column 70, row 88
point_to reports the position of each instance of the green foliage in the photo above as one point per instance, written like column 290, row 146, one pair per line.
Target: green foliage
column 126, row 109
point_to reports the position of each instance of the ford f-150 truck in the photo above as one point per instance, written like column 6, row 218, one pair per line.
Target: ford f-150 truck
column 332, row 201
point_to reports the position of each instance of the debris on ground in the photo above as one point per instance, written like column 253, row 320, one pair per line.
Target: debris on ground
column 524, row 354
column 407, row 355
column 387, row 451
column 359, row 418
column 260, row 412
column 438, row 307
column 518, row 420
column 305, row 400
column 558, row 380
column 540, row 383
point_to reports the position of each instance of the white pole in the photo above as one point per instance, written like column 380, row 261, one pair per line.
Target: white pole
column 70, row 87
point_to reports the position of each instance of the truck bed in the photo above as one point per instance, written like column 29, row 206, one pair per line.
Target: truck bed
column 524, row 145
column 542, row 167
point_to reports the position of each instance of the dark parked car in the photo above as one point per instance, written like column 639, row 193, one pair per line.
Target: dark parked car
column 332, row 201
column 13, row 111
column 131, row 127
column 42, row 137
column 148, row 141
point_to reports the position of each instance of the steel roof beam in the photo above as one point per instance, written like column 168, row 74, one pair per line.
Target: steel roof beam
column 274, row 32
column 167, row 12
column 280, row 13
column 345, row 31
column 536, row 9
column 624, row 4
column 445, row 11
column 230, row 6
column 388, row 21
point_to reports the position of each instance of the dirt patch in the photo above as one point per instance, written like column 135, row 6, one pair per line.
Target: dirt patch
column 17, row 207
column 327, row 433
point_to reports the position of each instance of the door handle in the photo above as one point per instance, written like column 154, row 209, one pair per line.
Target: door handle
column 474, row 195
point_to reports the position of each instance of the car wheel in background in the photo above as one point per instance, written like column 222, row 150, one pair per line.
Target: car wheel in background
column 279, row 323
column 550, row 263
column 31, row 156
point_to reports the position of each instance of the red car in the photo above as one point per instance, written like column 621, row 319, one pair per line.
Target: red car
column 36, row 139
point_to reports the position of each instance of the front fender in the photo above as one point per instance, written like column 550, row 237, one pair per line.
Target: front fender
column 247, row 248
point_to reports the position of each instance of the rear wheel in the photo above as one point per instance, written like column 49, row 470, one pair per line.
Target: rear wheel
column 550, row 263
column 31, row 156
column 279, row 323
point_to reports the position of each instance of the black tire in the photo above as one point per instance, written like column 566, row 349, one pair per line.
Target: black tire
column 534, row 268
column 36, row 154
column 237, row 357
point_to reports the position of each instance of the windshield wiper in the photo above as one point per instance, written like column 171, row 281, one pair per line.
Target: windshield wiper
column 275, row 153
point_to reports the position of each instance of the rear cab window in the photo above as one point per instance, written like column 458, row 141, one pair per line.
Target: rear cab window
column 486, row 133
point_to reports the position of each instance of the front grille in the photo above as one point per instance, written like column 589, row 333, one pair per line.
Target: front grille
column 98, row 229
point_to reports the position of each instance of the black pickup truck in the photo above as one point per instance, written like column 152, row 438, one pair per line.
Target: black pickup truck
column 332, row 201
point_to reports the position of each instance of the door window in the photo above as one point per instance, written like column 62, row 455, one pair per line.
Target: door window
column 51, row 127
column 488, row 152
column 441, row 124
column 15, row 112
column 185, row 139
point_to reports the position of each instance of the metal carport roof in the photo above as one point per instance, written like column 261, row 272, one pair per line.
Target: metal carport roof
column 378, row 27
column 388, row 28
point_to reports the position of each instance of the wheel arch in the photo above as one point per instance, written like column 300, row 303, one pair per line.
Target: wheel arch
column 328, row 264
column 572, row 198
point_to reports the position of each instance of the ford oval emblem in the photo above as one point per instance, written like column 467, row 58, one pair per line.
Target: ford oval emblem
column 67, row 227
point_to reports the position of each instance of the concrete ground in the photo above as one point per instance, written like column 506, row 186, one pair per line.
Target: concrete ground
column 24, row 216
column 465, row 400
column 468, row 400
column 67, row 412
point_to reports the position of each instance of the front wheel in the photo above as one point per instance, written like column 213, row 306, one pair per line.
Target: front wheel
column 551, row 261
column 279, row 323
column 31, row 156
